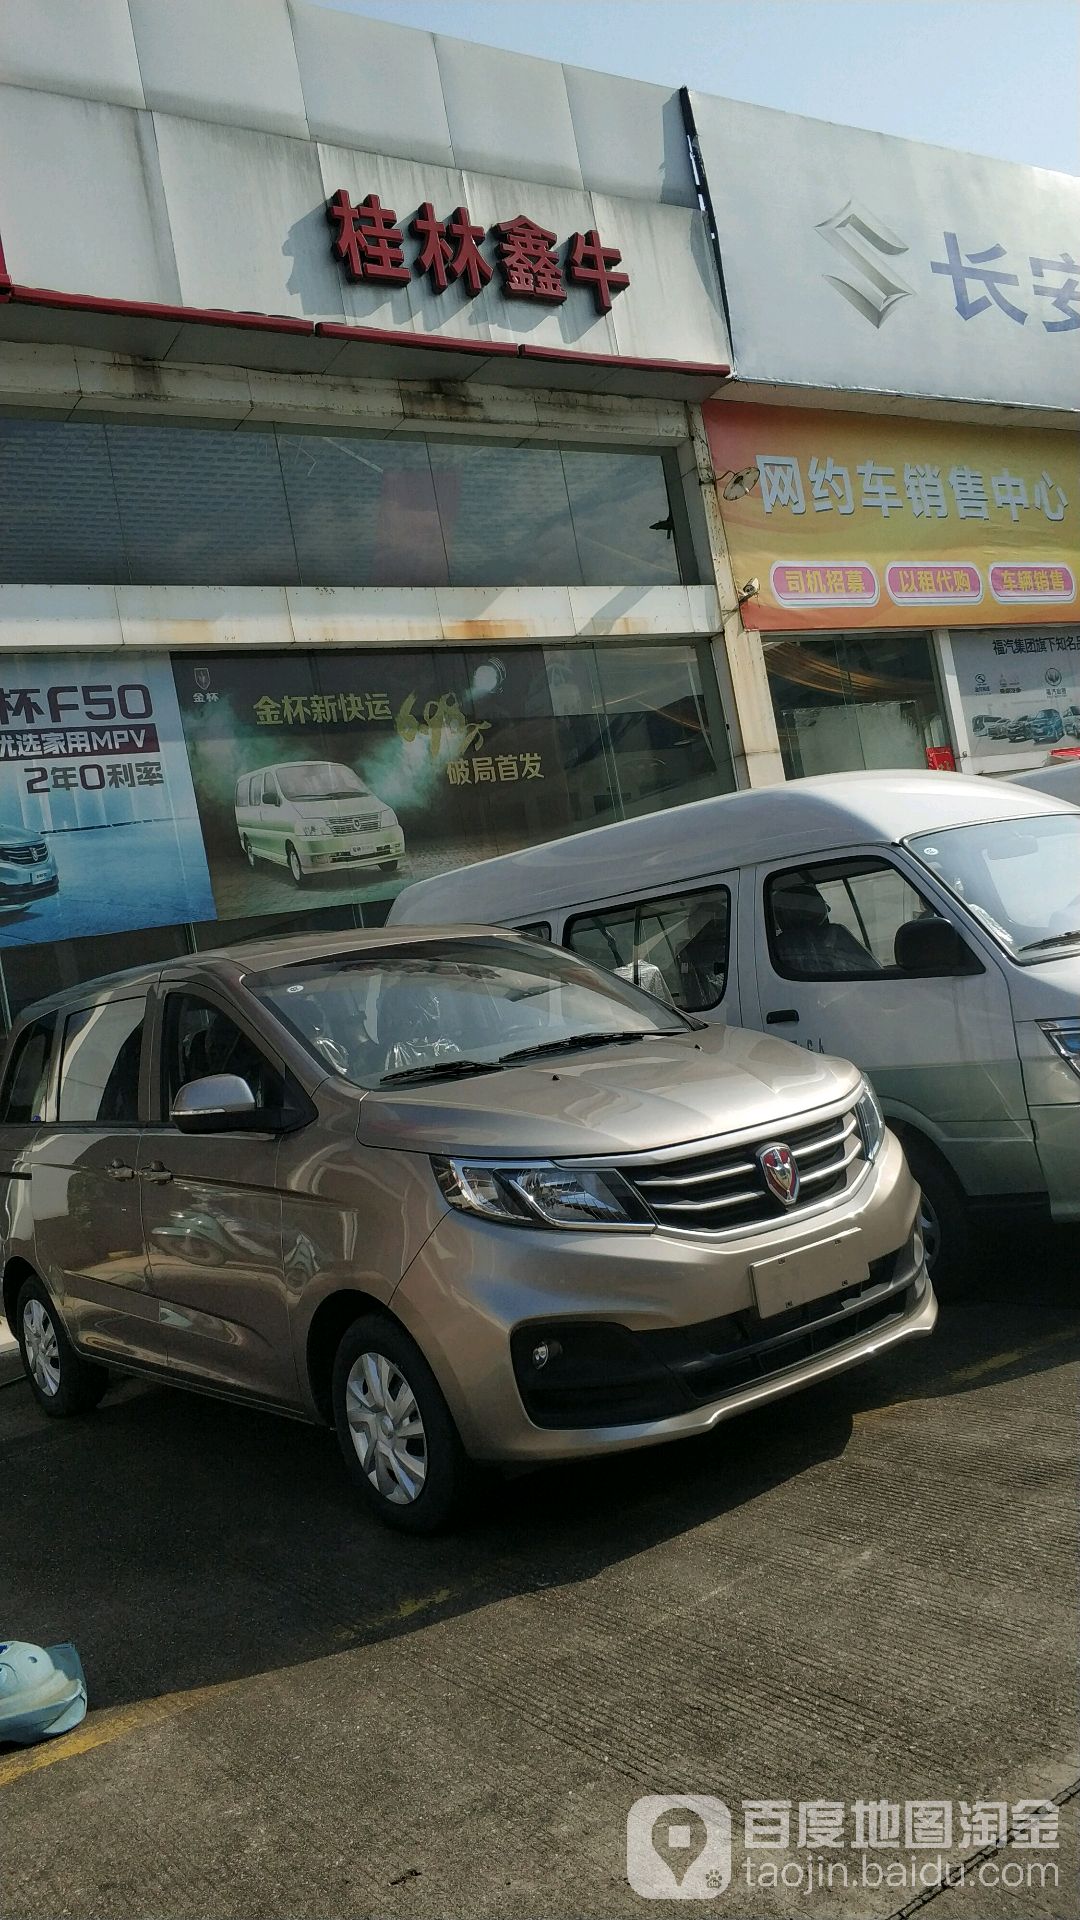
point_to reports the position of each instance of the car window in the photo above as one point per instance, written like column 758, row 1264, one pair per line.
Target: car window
column 199, row 1039
column 26, row 1082
column 99, row 1064
column 840, row 919
column 676, row 947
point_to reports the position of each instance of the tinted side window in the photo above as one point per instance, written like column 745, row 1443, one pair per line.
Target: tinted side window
column 199, row 1039
column 839, row 919
column 675, row 947
column 26, row 1083
column 99, row 1065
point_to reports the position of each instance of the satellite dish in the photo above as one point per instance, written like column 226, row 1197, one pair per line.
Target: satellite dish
column 742, row 482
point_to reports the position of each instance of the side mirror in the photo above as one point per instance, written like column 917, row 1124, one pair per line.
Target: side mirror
column 219, row 1103
column 932, row 947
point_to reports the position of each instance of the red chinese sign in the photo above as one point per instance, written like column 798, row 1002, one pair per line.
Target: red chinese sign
column 370, row 244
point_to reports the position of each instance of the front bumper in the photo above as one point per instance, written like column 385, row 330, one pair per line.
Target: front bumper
column 340, row 852
column 15, row 885
column 651, row 1336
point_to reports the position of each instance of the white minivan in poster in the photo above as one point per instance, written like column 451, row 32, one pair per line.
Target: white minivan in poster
column 99, row 830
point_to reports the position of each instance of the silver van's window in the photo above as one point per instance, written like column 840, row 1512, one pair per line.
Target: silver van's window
column 840, row 919
column 675, row 947
column 99, row 1064
column 1020, row 878
column 456, row 1006
column 319, row 780
column 26, row 1082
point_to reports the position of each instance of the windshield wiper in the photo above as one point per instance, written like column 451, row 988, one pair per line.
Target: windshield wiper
column 440, row 1070
column 573, row 1040
column 1053, row 940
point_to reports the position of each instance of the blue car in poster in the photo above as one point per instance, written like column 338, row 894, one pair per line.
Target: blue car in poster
column 27, row 868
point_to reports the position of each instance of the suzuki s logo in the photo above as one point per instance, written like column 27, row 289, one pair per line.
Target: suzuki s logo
column 865, row 242
column 780, row 1173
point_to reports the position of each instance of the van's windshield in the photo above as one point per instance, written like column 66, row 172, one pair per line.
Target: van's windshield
column 1020, row 878
column 461, row 1006
column 320, row 780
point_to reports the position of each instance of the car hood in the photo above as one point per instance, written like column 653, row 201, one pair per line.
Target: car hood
column 620, row 1099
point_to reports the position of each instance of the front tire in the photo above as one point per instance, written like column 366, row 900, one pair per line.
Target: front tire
column 943, row 1214
column 249, row 854
column 296, row 868
column 389, row 866
column 401, row 1448
column 61, row 1381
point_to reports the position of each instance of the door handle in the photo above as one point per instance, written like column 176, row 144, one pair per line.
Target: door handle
column 780, row 1016
column 119, row 1170
column 157, row 1173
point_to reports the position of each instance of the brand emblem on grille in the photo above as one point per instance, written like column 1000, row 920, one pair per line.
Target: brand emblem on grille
column 780, row 1172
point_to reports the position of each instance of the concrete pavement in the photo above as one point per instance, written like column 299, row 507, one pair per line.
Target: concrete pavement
column 10, row 1358
column 867, row 1592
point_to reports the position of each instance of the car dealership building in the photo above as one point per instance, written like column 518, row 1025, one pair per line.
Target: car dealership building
column 410, row 450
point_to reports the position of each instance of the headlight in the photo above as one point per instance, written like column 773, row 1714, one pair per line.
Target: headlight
column 1064, row 1037
column 871, row 1121
column 525, row 1196
column 311, row 829
column 388, row 818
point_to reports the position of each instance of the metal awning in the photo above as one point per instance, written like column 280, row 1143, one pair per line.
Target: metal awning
column 281, row 343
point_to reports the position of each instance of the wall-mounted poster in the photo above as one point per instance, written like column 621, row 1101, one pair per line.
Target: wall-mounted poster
column 1019, row 688
column 343, row 776
column 99, row 831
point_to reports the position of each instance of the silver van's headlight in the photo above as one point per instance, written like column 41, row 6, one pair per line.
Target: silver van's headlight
column 871, row 1121
column 1064, row 1037
column 312, row 829
column 540, row 1194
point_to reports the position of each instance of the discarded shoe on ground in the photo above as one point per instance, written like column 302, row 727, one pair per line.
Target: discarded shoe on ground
column 42, row 1691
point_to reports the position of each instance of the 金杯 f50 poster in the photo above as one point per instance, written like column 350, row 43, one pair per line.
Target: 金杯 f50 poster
column 99, row 831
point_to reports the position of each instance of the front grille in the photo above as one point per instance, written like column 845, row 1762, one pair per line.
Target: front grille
column 358, row 823
column 25, row 856
column 719, row 1189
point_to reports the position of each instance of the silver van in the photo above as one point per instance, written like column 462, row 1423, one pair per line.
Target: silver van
column 925, row 925
column 462, row 1195
column 315, row 816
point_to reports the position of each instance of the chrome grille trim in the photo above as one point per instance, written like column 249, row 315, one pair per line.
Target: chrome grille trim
column 25, row 856
column 710, row 1187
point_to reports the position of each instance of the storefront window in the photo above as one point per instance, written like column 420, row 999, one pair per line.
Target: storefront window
column 35, row 972
column 85, row 503
column 848, row 702
column 241, row 794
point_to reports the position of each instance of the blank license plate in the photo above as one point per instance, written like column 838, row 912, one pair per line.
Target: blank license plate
column 793, row 1278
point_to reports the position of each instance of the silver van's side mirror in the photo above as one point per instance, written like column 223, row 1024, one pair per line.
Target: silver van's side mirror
column 217, row 1103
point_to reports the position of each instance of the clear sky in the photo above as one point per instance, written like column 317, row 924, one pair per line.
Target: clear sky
column 995, row 76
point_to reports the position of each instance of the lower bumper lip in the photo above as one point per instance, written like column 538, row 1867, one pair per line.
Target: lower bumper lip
column 581, row 1442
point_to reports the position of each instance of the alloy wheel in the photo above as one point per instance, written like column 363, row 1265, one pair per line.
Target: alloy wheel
column 42, row 1347
column 386, row 1428
column 930, row 1227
